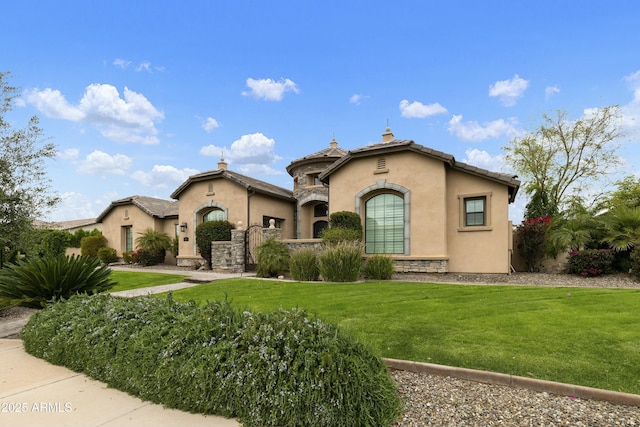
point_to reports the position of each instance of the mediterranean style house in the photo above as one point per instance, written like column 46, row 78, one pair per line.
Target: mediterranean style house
column 420, row 206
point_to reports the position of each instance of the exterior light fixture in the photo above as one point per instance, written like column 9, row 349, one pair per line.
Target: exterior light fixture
column 183, row 227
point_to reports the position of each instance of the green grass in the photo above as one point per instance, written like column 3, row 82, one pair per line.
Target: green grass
column 589, row 338
column 128, row 280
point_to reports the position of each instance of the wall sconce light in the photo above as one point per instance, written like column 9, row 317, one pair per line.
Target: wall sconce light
column 183, row 227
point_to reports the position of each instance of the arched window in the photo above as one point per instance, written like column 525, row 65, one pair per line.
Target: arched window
column 214, row 215
column 384, row 224
column 318, row 226
column 320, row 210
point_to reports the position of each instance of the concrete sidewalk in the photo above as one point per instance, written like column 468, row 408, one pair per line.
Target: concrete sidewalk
column 36, row 393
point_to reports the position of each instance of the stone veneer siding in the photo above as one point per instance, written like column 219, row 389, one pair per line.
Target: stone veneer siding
column 421, row 265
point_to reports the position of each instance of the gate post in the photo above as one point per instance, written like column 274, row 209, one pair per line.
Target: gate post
column 238, row 250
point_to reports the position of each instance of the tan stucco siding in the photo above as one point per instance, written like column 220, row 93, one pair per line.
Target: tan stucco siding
column 196, row 200
column 124, row 216
column 477, row 249
column 424, row 181
column 265, row 206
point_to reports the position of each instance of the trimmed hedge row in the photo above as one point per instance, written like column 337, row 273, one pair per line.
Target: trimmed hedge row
column 273, row 369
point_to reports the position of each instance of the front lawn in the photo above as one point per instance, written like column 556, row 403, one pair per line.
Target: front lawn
column 128, row 280
column 580, row 336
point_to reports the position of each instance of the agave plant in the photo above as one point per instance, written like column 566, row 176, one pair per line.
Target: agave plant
column 35, row 282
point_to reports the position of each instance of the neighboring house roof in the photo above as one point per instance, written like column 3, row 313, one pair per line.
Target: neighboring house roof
column 251, row 184
column 328, row 155
column 158, row 208
column 66, row 225
column 397, row 145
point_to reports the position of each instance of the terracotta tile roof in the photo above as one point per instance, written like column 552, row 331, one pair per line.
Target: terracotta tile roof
column 243, row 180
column 158, row 208
column 66, row 225
column 407, row 145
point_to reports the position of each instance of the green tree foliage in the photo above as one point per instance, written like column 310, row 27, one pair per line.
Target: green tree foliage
column 40, row 280
column 80, row 233
column 532, row 241
column 212, row 231
column 25, row 191
column 623, row 229
column 90, row 245
column 273, row 258
column 561, row 157
column 626, row 194
column 577, row 228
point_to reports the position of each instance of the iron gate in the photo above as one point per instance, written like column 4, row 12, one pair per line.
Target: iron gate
column 252, row 239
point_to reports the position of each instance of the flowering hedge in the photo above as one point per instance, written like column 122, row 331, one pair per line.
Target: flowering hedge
column 276, row 369
column 591, row 262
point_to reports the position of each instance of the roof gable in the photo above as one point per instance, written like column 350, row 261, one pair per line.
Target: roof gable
column 396, row 145
column 154, row 207
column 251, row 184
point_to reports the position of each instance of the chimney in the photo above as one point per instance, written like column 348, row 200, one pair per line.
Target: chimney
column 333, row 143
column 222, row 164
column 387, row 136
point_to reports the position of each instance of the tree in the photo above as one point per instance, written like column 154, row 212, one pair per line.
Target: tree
column 626, row 195
column 25, row 192
column 561, row 157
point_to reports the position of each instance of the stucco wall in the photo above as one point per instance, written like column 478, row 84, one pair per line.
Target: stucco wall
column 123, row 216
column 478, row 249
column 434, row 217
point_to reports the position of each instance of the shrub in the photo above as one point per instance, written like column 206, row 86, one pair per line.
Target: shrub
column 303, row 265
column 634, row 260
column 127, row 257
column 276, row 369
column 379, row 267
column 146, row 257
column 90, row 245
column 272, row 257
column 348, row 220
column 341, row 262
column 76, row 238
column 212, row 231
column 591, row 262
column 532, row 241
column 339, row 234
column 107, row 255
column 35, row 282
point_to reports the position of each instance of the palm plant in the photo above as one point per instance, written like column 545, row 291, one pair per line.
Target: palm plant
column 623, row 228
column 152, row 240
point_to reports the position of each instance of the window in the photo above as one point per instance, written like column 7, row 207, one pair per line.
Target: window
column 321, row 210
column 474, row 211
column 313, row 179
column 318, row 226
column 214, row 215
column 384, row 224
column 128, row 238
column 277, row 224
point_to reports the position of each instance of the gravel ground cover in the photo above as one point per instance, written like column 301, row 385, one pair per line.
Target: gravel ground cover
column 432, row 400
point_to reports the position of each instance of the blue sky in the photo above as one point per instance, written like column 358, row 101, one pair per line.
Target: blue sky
column 138, row 95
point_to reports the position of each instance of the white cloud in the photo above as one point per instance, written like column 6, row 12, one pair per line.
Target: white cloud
column 474, row 131
column 356, row 98
column 121, row 63
column 270, row 90
column 509, row 90
column 419, row 110
column 74, row 206
column 484, row 160
column 255, row 149
column 210, row 124
column 630, row 112
column 254, row 169
column 163, row 176
column 102, row 164
column 129, row 119
column 69, row 154
column 549, row 91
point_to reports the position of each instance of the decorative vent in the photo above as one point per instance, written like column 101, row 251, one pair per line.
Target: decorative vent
column 382, row 163
column 210, row 189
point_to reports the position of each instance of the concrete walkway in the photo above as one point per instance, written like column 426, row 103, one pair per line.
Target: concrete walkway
column 36, row 393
